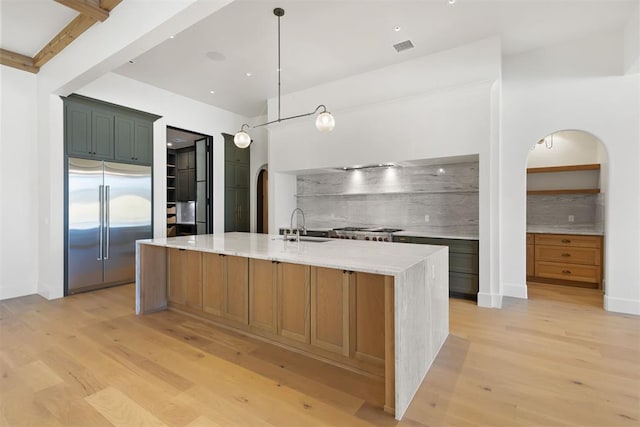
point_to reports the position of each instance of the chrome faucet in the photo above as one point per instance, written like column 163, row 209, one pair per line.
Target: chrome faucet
column 297, row 232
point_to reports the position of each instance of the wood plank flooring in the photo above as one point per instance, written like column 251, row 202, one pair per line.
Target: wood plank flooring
column 87, row 360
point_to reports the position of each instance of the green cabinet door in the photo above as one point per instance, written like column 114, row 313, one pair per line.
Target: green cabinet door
column 133, row 140
column 242, row 201
column 102, row 134
column 124, row 138
column 77, row 130
column 182, row 184
column 143, row 142
column 230, row 209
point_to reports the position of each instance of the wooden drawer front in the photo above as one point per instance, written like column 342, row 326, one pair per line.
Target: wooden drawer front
column 530, row 239
column 576, row 272
column 570, row 255
column 569, row 240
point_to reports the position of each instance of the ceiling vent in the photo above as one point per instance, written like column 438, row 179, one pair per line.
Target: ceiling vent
column 405, row 45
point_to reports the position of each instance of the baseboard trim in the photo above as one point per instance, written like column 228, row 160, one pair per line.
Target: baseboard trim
column 489, row 300
column 514, row 290
column 15, row 291
column 622, row 305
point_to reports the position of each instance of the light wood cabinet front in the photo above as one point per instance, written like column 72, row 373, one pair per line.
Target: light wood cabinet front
column 368, row 313
column 330, row 309
column 213, row 281
column 576, row 241
column 263, row 295
column 575, row 272
column 293, row 301
column 236, row 289
column 184, row 278
column 589, row 256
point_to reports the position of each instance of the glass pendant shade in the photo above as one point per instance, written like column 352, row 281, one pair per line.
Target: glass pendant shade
column 242, row 139
column 325, row 122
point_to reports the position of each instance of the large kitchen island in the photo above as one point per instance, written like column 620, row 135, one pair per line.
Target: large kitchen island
column 376, row 308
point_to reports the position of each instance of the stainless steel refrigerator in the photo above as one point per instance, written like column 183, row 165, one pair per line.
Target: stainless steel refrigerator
column 109, row 208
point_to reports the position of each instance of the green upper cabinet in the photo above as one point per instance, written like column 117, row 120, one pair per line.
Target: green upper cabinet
column 102, row 134
column 78, row 129
column 133, row 140
column 88, row 132
column 107, row 132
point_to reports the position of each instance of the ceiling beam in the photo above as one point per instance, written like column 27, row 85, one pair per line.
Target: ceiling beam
column 109, row 4
column 68, row 34
column 87, row 7
column 15, row 60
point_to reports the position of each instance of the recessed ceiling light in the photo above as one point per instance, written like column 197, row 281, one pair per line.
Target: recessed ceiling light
column 212, row 92
column 249, row 74
column 396, row 28
column 452, row 1
column 131, row 61
column 169, row 144
column 171, row 37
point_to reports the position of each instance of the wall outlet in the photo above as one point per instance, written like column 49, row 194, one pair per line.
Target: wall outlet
column 427, row 218
column 571, row 218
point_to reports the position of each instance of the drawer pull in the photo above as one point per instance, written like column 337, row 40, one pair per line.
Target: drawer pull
column 566, row 241
column 566, row 255
column 566, row 271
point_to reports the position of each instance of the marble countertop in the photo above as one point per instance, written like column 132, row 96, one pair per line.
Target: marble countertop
column 591, row 230
column 355, row 255
column 435, row 235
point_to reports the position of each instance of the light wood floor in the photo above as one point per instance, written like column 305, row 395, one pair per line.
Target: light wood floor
column 87, row 360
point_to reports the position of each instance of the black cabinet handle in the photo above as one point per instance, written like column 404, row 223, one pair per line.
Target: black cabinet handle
column 566, row 241
column 566, row 255
column 566, row 271
column 180, row 249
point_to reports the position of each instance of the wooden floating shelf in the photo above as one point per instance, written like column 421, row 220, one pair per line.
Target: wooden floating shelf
column 572, row 168
column 566, row 191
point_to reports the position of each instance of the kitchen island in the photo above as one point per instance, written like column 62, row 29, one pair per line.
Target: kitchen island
column 376, row 308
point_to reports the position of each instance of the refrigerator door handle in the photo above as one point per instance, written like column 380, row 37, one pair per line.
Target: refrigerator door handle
column 101, row 228
column 107, row 211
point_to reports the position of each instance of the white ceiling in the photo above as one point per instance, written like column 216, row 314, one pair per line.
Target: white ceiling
column 322, row 40
column 26, row 26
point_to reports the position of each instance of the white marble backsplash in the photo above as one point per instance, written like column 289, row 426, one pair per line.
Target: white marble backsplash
column 554, row 210
column 434, row 198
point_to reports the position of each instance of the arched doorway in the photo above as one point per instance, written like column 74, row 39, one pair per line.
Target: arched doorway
column 262, row 201
column 566, row 213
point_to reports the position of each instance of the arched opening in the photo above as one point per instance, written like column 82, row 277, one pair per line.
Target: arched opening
column 566, row 212
column 262, row 201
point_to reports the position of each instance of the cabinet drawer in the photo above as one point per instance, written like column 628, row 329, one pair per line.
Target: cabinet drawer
column 455, row 245
column 569, row 240
column 530, row 239
column 576, row 272
column 569, row 255
column 463, row 283
column 463, row 263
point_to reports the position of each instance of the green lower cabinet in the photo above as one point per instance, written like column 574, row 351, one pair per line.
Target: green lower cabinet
column 464, row 263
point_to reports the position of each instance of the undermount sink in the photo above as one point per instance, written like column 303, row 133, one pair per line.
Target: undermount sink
column 305, row 239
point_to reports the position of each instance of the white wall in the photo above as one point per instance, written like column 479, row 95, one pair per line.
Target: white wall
column 609, row 109
column 569, row 148
column 632, row 43
column 439, row 105
column 598, row 55
column 259, row 159
column 18, row 183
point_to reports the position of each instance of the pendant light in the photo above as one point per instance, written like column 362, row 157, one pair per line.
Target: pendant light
column 324, row 122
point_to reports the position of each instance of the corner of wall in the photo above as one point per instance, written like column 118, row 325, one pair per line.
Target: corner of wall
column 489, row 300
column 622, row 305
column 514, row 290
